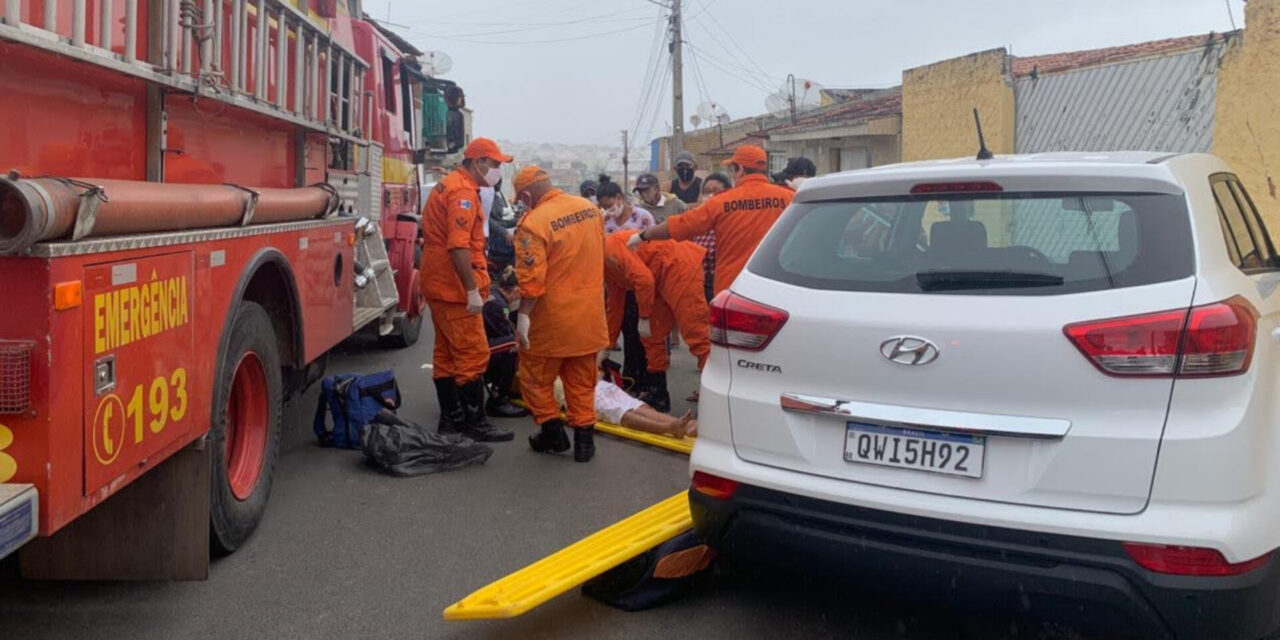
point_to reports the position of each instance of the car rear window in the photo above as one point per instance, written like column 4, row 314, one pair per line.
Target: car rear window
column 1005, row 244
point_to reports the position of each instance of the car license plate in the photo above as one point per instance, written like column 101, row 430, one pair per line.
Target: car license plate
column 933, row 451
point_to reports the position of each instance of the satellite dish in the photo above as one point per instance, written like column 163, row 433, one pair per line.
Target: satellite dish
column 712, row 111
column 695, row 120
column 436, row 63
column 796, row 95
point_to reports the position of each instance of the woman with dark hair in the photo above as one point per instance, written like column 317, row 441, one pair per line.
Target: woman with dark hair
column 619, row 213
column 711, row 185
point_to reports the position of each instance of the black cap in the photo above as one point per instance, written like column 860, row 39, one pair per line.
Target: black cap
column 797, row 166
column 645, row 181
column 587, row 184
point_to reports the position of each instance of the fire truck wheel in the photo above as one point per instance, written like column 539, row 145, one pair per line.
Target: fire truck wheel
column 245, row 436
column 406, row 331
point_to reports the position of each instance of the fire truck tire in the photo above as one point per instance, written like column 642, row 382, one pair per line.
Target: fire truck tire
column 245, row 435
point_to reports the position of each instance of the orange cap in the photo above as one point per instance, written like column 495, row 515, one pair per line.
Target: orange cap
column 749, row 156
column 485, row 148
column 527, row 176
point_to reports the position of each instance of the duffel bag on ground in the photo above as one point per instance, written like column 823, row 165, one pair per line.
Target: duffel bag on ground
column 352, row 401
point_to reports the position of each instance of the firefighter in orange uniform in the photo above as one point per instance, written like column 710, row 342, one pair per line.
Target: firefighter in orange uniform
column 561, row 324
column 740, row 216
column 669, row 285
column 454, row 275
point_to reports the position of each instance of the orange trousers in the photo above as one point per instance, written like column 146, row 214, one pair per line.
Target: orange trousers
column 577, row 374
column 691, row 314
column 461, row 349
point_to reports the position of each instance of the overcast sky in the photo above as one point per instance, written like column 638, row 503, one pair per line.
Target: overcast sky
column 573, row 71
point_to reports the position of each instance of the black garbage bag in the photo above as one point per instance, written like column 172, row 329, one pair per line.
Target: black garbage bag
column 402, row 448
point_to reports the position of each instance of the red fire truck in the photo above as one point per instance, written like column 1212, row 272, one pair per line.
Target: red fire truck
column 203, row 197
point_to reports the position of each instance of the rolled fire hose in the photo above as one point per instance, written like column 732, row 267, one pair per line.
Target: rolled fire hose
column 36, row 210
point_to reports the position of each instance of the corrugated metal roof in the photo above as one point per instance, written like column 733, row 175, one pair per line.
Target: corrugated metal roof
column 1164, row 103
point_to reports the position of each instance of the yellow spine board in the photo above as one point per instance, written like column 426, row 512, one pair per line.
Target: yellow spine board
column 679, row 445
column 583, row 560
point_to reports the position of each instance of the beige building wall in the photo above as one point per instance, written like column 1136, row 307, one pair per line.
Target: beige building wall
column 938, row 102
column 1246, row 130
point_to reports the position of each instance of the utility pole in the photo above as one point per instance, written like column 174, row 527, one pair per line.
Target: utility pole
column 677, row 84
column 626, row 150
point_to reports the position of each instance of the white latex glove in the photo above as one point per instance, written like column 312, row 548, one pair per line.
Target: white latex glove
column 522, row 330
column 642, row 327
column 474, row 302
column 634, row 241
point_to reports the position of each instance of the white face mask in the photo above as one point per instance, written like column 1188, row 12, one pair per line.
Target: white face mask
column 593, row 200
column 615, row 210
column 795, row 182
column 493, row 176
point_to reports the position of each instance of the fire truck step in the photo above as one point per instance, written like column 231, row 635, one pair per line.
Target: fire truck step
column 679, row 445
column 19, row 506
column 581, row 561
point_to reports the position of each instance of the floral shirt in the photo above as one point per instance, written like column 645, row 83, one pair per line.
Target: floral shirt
column 638, row 220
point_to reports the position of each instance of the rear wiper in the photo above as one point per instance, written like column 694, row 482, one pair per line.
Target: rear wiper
column 955, row 280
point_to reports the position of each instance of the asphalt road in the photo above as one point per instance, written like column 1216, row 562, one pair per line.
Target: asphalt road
column 345, row 552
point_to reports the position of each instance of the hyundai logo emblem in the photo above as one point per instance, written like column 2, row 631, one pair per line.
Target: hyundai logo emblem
column 909, row 350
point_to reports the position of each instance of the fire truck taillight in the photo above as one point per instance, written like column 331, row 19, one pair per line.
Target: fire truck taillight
column 15, row 376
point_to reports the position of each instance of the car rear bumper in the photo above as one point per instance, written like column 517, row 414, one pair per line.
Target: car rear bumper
column 1083, row 581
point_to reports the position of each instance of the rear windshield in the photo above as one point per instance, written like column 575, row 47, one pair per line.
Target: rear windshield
column 1005, row 244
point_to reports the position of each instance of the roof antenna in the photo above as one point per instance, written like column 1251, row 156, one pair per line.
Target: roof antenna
column 983, row 152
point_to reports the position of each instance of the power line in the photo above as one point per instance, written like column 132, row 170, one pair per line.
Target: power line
column 1230, row 16
column 713, row 61
column 746, row 54
column 610, row 17
column 523, row 42
column 699, row 81
column 657, row 48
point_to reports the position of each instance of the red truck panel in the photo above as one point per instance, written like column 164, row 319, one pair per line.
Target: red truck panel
column 61, row 445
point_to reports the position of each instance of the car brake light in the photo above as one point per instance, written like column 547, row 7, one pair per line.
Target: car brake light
column 1189, row 561
column 1211, row 340
column 714, row 486
column 742, row 323
column 956, row 187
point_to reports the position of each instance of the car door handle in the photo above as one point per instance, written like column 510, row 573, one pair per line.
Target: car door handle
column 931, row 419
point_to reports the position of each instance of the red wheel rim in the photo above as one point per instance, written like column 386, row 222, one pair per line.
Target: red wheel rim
column 247, row 426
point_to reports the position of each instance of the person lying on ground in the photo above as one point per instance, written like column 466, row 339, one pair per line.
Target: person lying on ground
column 615, row 406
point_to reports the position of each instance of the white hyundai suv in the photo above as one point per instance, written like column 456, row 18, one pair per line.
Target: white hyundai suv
column 1043, row 383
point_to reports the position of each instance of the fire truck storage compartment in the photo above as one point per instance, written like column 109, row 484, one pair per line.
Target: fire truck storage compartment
column 139, row 325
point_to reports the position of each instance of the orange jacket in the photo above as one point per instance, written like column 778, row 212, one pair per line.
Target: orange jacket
column 452, row 219
column 560, row 261
column 659, row 267
column 740, row 217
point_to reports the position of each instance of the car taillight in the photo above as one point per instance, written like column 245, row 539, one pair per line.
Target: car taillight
column 714, row 486
column 742, row 323
column 1189, row 561
column 1211, row 340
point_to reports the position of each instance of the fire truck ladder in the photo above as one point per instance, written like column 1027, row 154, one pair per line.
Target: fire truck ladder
column 375, row 281
column 234, row 51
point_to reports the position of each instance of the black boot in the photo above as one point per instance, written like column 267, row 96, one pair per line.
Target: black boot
column 500, row 407
column 451, row 416
column 552, row 438
column 475, row 425
column 584, row 444
column 656, row 394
